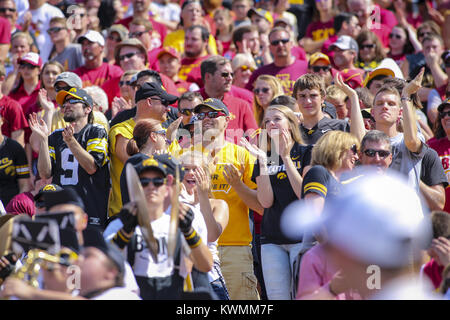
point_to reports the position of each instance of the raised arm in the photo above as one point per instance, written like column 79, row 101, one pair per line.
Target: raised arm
column 39, row 128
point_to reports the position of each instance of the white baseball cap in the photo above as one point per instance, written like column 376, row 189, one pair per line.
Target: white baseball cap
column 92, row 36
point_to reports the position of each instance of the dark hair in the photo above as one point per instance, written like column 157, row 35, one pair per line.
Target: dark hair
column 185, row 3
column 284, row 100
column 438, row 129
column 141, row 133
column 204, row 31
column 309, row 81
column 238, row 33
column 106, row 14
column 210, row 64
column 369, row 35
column 440, row 221
column 341, row 18
column 375, row 136
column 151, row 73
column 408, row 48
column 190, row 96
column 378, row 77
column 365, row 96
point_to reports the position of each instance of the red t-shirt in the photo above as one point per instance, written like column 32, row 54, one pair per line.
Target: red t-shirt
column 242, row 93
column 157, row 26
column 12, row 115
column 153, row 59
column 387, row 17
column 98, row 76
column 298, row 52
column 320, row 31
column 399, row 58
column 5, row 31
column 287, row 75
column 241, row 117
column 182, row 86
column 442, row 147
column 190, row 70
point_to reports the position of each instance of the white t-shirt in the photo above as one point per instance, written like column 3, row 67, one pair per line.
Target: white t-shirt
column 117, row 293
column 168, row 12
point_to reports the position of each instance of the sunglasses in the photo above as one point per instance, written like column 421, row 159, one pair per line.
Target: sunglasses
column 54, row 30
column 115, row 39
column 444, row 113
column 354, row 149
column 423, row 34
column 128, row 55
column 136, row 34
column 397, row 36
column 262, row 90
column 157, row 182
column 186, row 112
column 381, row 153
column 277, row 42
column 72, row 101
column 123, row 83
column 26, row 65
column 321, row 68
column 447, row 64
column 367, row 46
column 227, row 74
column 65, row 88
column 245, row 68
column 210, row 115
column 4, row 10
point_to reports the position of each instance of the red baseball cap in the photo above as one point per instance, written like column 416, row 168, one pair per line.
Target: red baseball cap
column 353, row 77
column 31, row 58
column 169, row 50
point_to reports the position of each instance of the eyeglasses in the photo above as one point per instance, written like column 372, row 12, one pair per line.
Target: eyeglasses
column 123, row 83
column 26, row 65
column 321, row 68
column 136, row 34
column 444, row 113
column 227, row 74
column 54, row 30
column 3, row 10
column 210, row 115
column 245, row 68
column 354, row 149
column 186, row 112
column 115, row 39
column 397, row 36
column 261, row 90
column 368, row 46
column 127, row 55
column 381, row 153
column 277, row 42
column 157, row 182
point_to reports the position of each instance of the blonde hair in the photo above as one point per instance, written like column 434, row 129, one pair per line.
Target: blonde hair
column 333, row 92
column 330, row 148
column 277, row 90
column 242, row 59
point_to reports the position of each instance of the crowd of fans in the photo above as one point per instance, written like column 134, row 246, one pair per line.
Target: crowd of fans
column 283, row 148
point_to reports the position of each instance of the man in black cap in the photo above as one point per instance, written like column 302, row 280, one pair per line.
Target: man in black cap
column 78, row 154
column 152, row 102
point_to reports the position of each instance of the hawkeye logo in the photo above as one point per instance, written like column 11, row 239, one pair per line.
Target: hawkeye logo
column 49, row 187
column 6, row 164
column 150, row 162
column 281, row 176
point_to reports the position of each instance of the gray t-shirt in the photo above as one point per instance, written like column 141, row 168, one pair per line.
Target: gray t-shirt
column 405, row 161
column 71, row 58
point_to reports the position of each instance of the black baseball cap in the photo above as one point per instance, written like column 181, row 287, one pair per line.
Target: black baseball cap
column 444, row 104
column 65, row 196
column 214, row 104
column 165, row 163
column 77, row 93
column 150, row 89
column 151, row 163
column 46, row 189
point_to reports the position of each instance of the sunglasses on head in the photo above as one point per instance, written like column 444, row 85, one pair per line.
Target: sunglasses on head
column 54, row 29
column 210, row 115
column 321, row 68
column 277, row 42
column 186, row 112
column 245, row 68
column 127, row 55
column 381, row 153
column 261, row 90
column 397, row 36
column 122, row 83
column 368, row 46
column 444, row 113
column 227, row 74
column 3, row 10
column 157, row 182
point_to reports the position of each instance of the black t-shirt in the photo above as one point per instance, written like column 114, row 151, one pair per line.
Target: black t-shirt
column 310, row 136
column 93, row 189
column 432, row 172
column 124, row 115
column 283, row 194
column 13, row 166
column 319, row 180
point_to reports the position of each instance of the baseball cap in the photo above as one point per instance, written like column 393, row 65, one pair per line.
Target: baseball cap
column 262, row 13
column 282, row 20
column 94, row 238
column 65, row 196
column 77, row 93
column 45, row 190
column 353, row 77
column 214, row 104
column 345, row 43
column 318, row 56
column 171, row 164
column 387, row 67
column 444, row 104
column 150, row 89
column 151, row 163
column 168, row 50
column 445, row 55
column 31, row 58
column 93, row 36
column 120, row 29
column 72, row 79
column 130, row 42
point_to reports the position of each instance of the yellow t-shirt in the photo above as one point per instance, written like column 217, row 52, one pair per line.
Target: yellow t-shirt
column 59, row 123
column 125, row 129
column 237, row 232
column 175, row 40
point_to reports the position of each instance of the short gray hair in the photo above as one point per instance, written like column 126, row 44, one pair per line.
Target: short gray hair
column 99, row 97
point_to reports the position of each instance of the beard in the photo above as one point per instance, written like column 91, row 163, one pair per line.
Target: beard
column 69, row 118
